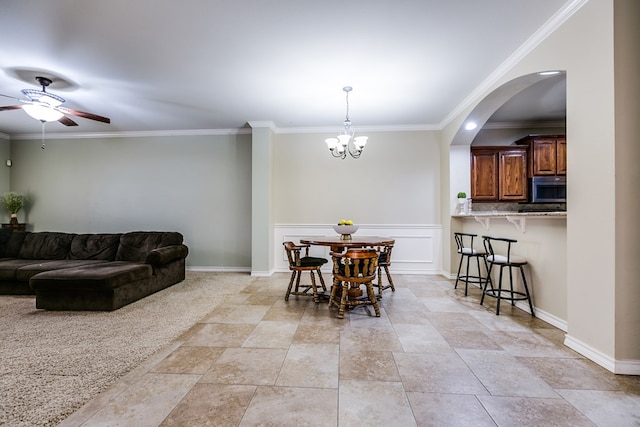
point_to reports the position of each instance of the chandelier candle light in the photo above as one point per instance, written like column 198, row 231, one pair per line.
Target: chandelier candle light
column 346, row 142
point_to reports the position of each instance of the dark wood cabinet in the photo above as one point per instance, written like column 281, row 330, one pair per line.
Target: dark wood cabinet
column 484, row 175
column 499, row 174
column 548, row 154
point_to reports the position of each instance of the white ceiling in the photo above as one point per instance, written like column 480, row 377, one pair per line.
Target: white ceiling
column 154, row 65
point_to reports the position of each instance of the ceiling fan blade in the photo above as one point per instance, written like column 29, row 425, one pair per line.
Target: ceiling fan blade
column 11, row 107
column 67, row 121
column 12, row 97
column 83, row 114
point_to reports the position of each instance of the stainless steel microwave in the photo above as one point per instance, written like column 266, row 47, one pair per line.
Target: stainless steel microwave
column 549, row 189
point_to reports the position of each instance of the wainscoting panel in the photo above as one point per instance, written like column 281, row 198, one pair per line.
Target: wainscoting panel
column 416, row 251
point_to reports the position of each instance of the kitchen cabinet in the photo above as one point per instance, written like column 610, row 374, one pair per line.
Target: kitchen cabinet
column 499, row 174
column 548, row 154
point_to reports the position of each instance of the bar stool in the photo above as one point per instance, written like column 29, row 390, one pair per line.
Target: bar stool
column 464, row 241
column 511, row 262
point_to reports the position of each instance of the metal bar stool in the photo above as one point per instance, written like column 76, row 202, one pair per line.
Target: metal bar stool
column 511, row 262
column 464, row 241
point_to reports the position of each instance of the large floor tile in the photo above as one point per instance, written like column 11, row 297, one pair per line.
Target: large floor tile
column 451, row 410
column 504, row 375
column 534, row 412
column 310, row 365
column 221, row 335
column 374, row 403
column 606, row 408
column 145, row 403
column 368, row 366
column 259, row 366
column 292, row 406
column 272, row 334
column 211, row 405
column 437, row 372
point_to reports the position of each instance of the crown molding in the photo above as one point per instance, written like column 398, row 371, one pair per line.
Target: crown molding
column 5, row 136
column 362, row 129
column 552, row 24
column 133, row 134
column 521, row 125
column 206, row 132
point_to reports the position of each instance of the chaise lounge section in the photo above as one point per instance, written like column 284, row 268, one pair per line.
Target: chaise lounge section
column 90, row 272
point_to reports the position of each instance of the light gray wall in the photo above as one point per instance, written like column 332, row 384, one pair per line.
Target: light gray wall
column 197, row 185
column 395, row 181
column 4, row 173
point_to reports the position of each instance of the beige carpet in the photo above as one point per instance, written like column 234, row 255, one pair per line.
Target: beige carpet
column 51, row 363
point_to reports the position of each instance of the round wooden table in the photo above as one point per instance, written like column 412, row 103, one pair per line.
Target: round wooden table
column 337, row 244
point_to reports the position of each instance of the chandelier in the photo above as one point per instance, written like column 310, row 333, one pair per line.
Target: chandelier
column 346, row 142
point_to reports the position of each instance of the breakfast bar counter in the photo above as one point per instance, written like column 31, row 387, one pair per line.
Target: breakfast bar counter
column 518, row 219
column 541, row 240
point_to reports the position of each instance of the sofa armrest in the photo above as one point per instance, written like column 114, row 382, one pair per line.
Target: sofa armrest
column 166, row 254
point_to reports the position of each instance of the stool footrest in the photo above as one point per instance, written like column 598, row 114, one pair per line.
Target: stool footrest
column 510, row 295
column 473, row 279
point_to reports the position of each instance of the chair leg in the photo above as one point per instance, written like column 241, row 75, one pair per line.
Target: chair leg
column 314, row 289
column 526, row 290
column 486, row 268
column 321, row 280
column 386, row 269
column 487, row 283
column 372, row 298
column 459, row 268
column 479, row 272
column 343, row 300
column 293, row 276
column 297, row 288
column 466, row 282
column 513, row 295
column 499, row 291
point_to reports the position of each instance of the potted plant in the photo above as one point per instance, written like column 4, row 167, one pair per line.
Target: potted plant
column 13, row 202
column 462, row 201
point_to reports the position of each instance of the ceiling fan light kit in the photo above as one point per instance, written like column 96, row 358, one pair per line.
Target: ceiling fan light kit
column 47, row 107
column 346, row 142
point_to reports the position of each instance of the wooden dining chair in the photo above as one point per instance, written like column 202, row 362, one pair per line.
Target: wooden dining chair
column 384, row 261
column 352, row 269
column 298, row 264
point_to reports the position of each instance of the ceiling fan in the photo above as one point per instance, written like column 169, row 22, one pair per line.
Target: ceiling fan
column 47, row 107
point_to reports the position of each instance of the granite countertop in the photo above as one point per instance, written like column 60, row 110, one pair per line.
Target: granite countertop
column 502, row 214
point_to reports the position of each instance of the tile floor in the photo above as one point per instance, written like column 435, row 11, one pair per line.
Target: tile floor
column 433, row 358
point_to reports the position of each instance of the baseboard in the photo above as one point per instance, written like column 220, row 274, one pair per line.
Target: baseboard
column 622, row 367
column 219, row 269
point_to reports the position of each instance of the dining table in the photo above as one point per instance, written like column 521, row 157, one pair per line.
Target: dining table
column 339, row 244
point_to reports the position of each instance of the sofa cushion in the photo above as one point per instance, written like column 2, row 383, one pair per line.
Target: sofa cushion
column 95, row 246
column 26, row 272
column 104, row 276
column 46, row 245
column 10, row 247
column 136, row 246
column 9, row 267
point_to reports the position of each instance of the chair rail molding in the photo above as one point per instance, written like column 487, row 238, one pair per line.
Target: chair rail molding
column 417, row 249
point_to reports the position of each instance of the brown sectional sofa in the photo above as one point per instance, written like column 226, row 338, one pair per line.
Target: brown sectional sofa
column 92, row 272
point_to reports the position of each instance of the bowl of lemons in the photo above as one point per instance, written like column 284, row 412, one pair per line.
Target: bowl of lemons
column 345, row 228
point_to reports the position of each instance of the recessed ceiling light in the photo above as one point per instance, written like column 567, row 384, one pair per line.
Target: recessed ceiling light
column 470, row 126
column 548, row 73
